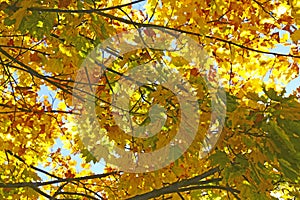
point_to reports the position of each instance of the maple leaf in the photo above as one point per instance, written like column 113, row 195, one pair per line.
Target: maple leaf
column 43, row 46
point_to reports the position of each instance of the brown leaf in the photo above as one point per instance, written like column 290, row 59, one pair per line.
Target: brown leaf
column 64, row 3
column 34, row 57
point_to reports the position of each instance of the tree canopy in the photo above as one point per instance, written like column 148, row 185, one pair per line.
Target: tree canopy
column 176, row 99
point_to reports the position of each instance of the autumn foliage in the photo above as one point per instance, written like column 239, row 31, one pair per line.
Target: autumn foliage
column 43, row 46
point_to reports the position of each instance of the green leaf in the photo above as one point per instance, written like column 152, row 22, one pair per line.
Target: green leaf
column 9, row 22
column 256, row 97
column 288, row 169
column 38, row 24
column 231, row 103
column 88, row 156
column 242, row 161
column 220, row 158
column 271, row 93
column 283, row 135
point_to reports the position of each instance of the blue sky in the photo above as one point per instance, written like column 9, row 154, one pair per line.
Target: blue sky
column 295, row 83
column 95, row 167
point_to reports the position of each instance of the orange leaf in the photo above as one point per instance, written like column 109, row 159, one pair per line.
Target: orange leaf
column 34, row 57
column 64, row 3
column 69, row 174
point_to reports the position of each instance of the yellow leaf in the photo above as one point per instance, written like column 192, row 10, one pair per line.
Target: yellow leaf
column 296, row 36
column 62, row 105
column 64, row 50
column 284, row 37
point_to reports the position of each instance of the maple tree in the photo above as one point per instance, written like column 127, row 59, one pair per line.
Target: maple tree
column 43, row 46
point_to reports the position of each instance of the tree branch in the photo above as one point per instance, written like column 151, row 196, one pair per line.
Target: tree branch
column 187, row 185
column 26, row 48
column 83, row 11
column 138, row 24
column 35, row 185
